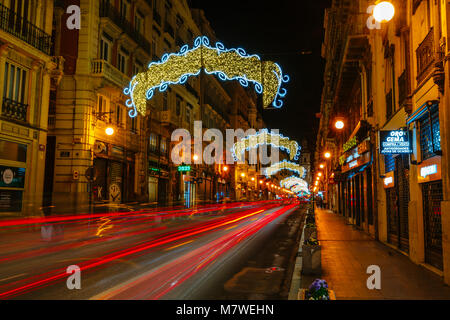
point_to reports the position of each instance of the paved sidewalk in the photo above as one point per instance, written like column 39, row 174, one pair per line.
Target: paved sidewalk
column 346, row 254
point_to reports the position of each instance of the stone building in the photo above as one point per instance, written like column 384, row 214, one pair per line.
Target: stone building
column 386, row 81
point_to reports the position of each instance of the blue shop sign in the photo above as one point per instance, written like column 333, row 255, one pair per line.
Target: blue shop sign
column 395, row 142
column 12, row 177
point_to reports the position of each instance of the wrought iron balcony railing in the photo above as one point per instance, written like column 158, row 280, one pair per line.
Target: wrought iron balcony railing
column 24, row 30
column 108, row 11
column 425, row 56
column 14, row 110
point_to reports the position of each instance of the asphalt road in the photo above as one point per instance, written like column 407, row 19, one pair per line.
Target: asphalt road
column 142, row 254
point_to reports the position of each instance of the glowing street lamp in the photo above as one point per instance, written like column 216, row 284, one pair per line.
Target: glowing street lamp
column 261, row 182
column 109, row 131
column 384, row 11
column 253, row 178
column 322, row 166
column 327, row 154
column 195, row 157
column 242, row 175
column 319, row 174
column 225, row 168
column 339, row 124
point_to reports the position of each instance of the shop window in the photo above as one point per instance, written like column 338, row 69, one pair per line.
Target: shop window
column 430, row 138
column 389, row 163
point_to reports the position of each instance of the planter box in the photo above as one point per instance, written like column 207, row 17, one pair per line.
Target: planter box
column 311, row 259
column 310, row 232
column 302, row 294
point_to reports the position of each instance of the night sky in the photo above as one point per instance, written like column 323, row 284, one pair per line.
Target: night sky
column 279, row 31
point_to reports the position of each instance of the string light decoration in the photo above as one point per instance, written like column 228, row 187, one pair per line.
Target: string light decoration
column 299, row 189
column 292, row 181
column 227, row 64
column 285, row 165
column 263, row 137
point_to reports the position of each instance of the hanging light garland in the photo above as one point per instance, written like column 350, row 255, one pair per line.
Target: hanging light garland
column 285, row 165
column 227, row 64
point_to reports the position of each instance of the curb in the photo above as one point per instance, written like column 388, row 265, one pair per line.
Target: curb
column 296, row 276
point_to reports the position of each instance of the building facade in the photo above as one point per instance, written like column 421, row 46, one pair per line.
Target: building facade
column 29, row 70
column 390, row 84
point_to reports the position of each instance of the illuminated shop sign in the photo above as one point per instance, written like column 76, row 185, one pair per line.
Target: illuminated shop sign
column 395, row 142
column 388, row 181
column 429, row 170
column 184, row 168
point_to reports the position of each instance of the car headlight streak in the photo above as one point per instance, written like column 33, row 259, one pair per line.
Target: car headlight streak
column 263, row 137
column 226, row 64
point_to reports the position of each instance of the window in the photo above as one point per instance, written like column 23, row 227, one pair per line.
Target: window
column 389, row 163
column 105, row 49
column 122, row 61
column 101, row 108
column 163, row 145
column 430, row 138
column 134, row 125
column 139, row 22
column 137, row 67
column 188, row 113
column 154, row 44
column 165, row 106
column 123, row 9
column 118, row 115
column 178, row 107
column 15, row 83
column 153, row 142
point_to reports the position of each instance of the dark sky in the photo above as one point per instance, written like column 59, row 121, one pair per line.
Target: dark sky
column 279, row 31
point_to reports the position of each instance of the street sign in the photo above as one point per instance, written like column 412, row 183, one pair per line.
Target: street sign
column 184, row 168
column 395, row 142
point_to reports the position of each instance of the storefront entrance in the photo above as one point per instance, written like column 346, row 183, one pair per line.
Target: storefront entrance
column 432, row 197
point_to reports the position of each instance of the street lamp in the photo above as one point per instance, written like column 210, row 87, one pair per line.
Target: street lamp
column 195, row 157
column 322, row 166
column 242, row 175
column 339, row 124
column 225, row 168
column 109, row 131
column 327, row 155
column 383, row 11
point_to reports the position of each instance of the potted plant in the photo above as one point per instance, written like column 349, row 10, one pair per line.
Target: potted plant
column 318, row 290
column 310, row 230
column 311, row 257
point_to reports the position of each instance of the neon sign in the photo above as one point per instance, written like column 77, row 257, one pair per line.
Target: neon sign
column 227, row 64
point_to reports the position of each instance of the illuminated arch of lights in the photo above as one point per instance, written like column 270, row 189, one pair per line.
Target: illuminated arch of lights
column 299, row 189
column 263, row 137
column 285, row 165
column 227, row 64
column 292, row 181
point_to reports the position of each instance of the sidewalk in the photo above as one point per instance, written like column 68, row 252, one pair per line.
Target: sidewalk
column 346, row 254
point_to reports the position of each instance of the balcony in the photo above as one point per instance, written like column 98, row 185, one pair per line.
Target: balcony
column 108, row 11
column 167, row 117
column 24, row 30
column 425, row 56
column 14, row 110
column 102, row 68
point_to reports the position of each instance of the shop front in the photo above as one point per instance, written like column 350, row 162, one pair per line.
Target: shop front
column 424, row 122
column 112, row 167
column 355, row 185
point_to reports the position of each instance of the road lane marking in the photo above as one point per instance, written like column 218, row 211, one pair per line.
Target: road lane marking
column 178, row 245
column 13, row 277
